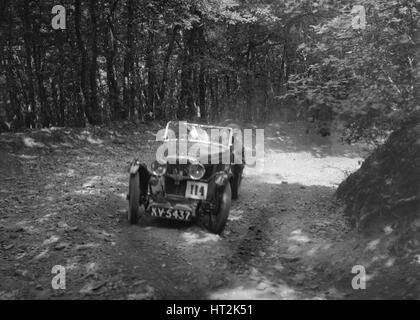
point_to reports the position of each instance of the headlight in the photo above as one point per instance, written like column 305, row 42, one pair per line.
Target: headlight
column 158, row 169
column 196, row 171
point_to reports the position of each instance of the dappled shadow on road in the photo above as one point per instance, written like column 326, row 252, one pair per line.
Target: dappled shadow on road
column 302, row 167
column 291, row 241
column 72, row 210
column 54, row 214
column 296, row 137
column 63, row 203
column 274, row 232
column 61, row 196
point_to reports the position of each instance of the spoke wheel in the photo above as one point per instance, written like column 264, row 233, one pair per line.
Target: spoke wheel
column 134, row 199
column 218, row 219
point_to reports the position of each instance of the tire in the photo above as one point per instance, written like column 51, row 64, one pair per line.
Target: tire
column 236, row 182
column 219, row 219
column 134, row 199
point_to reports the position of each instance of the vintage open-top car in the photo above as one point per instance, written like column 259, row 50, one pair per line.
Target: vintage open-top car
column 198, row 171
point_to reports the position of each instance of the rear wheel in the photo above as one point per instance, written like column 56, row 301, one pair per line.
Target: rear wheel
column 134, row 198
column 219, row 218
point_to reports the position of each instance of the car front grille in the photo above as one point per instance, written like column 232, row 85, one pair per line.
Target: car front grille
column 175, row 188
column 181, row 169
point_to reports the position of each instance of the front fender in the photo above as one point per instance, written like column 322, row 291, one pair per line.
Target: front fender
column 134, row 166
column 221, row 179
column 144, row 175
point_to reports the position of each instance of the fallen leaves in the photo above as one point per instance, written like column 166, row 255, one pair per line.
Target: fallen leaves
column 147, row 293
column 61, row 246
column 92, row 288
column 8, row 247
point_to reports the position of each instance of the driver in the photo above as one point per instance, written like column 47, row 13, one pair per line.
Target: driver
column 198, row 134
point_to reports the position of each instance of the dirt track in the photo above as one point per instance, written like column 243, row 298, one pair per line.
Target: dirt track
column 63, row 203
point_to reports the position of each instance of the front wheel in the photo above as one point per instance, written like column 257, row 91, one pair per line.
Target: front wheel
column 134, row 198
column 219, row 218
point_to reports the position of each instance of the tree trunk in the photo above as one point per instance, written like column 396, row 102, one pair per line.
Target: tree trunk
column 37, row 47
column 30, row 110
column 201, row 77
column 128, row 72
column 84, row 92
column 151, row 75
column 95, row 116
column 13, row 106
column 249, row 86
column 162, row 91
column 186, row 100
column 61, row 93
column 111, row 49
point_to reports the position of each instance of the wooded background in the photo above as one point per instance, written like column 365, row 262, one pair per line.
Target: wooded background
column 183, row 59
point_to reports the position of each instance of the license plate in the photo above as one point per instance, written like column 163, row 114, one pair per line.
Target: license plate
column 196, row 190
column 171, row 213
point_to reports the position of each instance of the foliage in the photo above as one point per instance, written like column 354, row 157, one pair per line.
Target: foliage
column 364, row 77
column 208, row 59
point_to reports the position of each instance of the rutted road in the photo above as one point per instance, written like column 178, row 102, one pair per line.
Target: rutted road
column 63, row 203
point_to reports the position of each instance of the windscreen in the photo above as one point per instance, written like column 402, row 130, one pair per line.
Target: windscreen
column 197, row 133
